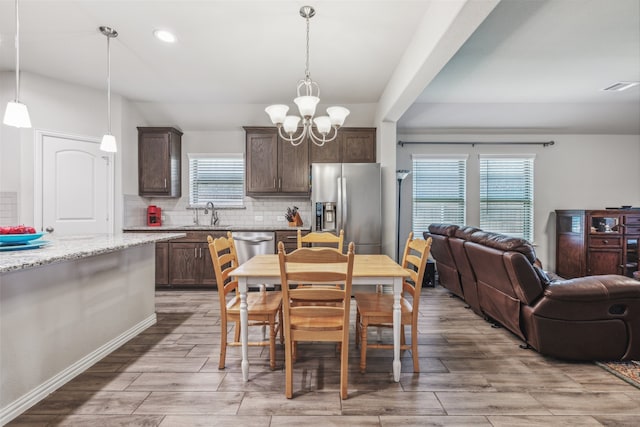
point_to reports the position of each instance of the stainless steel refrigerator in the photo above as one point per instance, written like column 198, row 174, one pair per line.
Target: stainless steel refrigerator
column 347, row 196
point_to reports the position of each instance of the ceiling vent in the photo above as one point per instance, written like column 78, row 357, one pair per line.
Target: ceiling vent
column 620, row 86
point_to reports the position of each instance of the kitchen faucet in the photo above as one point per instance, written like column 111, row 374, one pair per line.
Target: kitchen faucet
column 214, row 214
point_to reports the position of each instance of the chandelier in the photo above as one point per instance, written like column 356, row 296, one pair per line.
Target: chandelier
column 308, row 97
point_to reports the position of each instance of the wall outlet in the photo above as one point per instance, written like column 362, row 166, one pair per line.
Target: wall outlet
column 280, row 218
column 258, row 218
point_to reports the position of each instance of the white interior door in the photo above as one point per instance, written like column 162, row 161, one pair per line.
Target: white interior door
column 77, row 186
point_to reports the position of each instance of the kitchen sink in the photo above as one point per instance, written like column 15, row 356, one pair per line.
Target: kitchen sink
column 203, row 227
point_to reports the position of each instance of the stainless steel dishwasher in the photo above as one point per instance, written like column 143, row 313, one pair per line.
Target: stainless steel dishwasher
column 251, row 243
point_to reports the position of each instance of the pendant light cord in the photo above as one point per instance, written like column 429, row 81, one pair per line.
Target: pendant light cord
column 306, row 71
column 17, row 54
column 108, row 85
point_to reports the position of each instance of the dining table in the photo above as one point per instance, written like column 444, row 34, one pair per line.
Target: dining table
column 367, row 270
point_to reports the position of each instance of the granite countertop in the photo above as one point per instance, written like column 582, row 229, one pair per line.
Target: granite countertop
column 184, row 228
column 66, row 248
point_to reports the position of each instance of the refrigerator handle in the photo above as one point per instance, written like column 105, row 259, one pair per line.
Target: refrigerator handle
column 345, row 203
column 339, row 206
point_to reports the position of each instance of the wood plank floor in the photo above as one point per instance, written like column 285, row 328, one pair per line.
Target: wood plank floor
column 471, row 375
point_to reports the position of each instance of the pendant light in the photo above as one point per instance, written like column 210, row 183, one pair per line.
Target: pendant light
column 16, row 113
column 108, row 143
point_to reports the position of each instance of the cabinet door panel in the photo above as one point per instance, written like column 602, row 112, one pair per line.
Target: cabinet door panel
column 604, row 262
column 154, row 163
column 328, row 153
column 293, row 165
column 159, row 161
column 186, row 264
column 358, row 146
column 262, row 162
column 570, row 263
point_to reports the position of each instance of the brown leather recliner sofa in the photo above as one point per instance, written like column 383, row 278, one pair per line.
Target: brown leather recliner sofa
column 587, row 318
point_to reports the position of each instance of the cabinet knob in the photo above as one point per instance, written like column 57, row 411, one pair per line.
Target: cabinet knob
column 606, row 242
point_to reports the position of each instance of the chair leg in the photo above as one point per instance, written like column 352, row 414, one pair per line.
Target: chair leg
column 363, row 347
column 403, row 338
column 344, row 370
column 272, row 343
column 357, row 328
column 414, row 347
column 223, row 344
column 288, row 367
column 281, row 326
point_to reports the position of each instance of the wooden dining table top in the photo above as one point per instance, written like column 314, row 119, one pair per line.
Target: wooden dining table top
column 363, row 266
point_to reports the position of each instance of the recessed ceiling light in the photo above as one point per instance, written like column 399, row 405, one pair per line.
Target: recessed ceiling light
column 165, row 36
column 620, row 86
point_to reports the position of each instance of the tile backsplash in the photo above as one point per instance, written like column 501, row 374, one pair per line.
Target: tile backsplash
column 262, row 211
column 8, row 208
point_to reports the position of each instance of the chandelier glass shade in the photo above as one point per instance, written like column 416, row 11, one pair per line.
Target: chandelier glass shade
column 17, row 114
column 308, row 97
column 108, row 142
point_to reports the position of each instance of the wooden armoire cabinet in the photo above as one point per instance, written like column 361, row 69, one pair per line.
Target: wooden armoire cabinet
column 593, row 242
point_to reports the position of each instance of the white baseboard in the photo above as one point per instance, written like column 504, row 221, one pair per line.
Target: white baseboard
column 20, row 405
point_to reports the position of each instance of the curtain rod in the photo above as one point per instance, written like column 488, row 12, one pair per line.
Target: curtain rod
column 473, row 144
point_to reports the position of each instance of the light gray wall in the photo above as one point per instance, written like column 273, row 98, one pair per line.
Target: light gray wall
column 578, row 172
column 59, row 107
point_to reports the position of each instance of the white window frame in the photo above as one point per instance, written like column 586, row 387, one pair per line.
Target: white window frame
column 450, row 194
column 507, row 210
column 197, row 200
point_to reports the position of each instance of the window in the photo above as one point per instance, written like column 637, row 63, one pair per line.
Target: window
column 506, row 195
column 216, row 178
column 439, row 190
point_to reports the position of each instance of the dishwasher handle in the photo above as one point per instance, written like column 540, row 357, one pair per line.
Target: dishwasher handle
column 254, row 240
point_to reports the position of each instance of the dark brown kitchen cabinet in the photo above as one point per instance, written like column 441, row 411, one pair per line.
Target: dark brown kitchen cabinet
column 289, row 238
column 162, row 264
column 190, row 265
column 190, row 262
column 352, row 145
column 593, row 242
column 274, row 166
column 159, row 162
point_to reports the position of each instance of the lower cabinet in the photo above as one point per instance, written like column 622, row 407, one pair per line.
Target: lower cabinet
column 186, row 262
column 190, row 262
column 190, row 265
column 289, row 238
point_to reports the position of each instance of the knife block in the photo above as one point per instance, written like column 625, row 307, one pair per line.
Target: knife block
column 297, row 221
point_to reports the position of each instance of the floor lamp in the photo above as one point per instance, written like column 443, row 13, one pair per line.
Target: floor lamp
column 401, row 174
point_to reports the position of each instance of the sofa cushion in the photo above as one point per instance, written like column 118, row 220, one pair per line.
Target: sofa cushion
column 442, row 229
column 465, row 232
column 504, row 243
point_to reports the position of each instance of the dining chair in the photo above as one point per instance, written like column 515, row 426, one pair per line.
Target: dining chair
column 376, row 309
column 323, row 237
column 305, row 321
column 264, row 307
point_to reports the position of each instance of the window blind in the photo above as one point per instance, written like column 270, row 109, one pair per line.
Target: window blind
column 506, row 195
column 439, row 191
column 216, row 178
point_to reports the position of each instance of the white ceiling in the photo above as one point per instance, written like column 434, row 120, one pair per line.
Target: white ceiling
column 532, row 65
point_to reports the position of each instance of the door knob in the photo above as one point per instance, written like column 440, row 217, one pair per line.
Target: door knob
column 49, row 229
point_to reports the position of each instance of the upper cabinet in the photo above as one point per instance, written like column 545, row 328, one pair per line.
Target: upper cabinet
column 159, row 162
column 352, row 145
column 274, row 166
